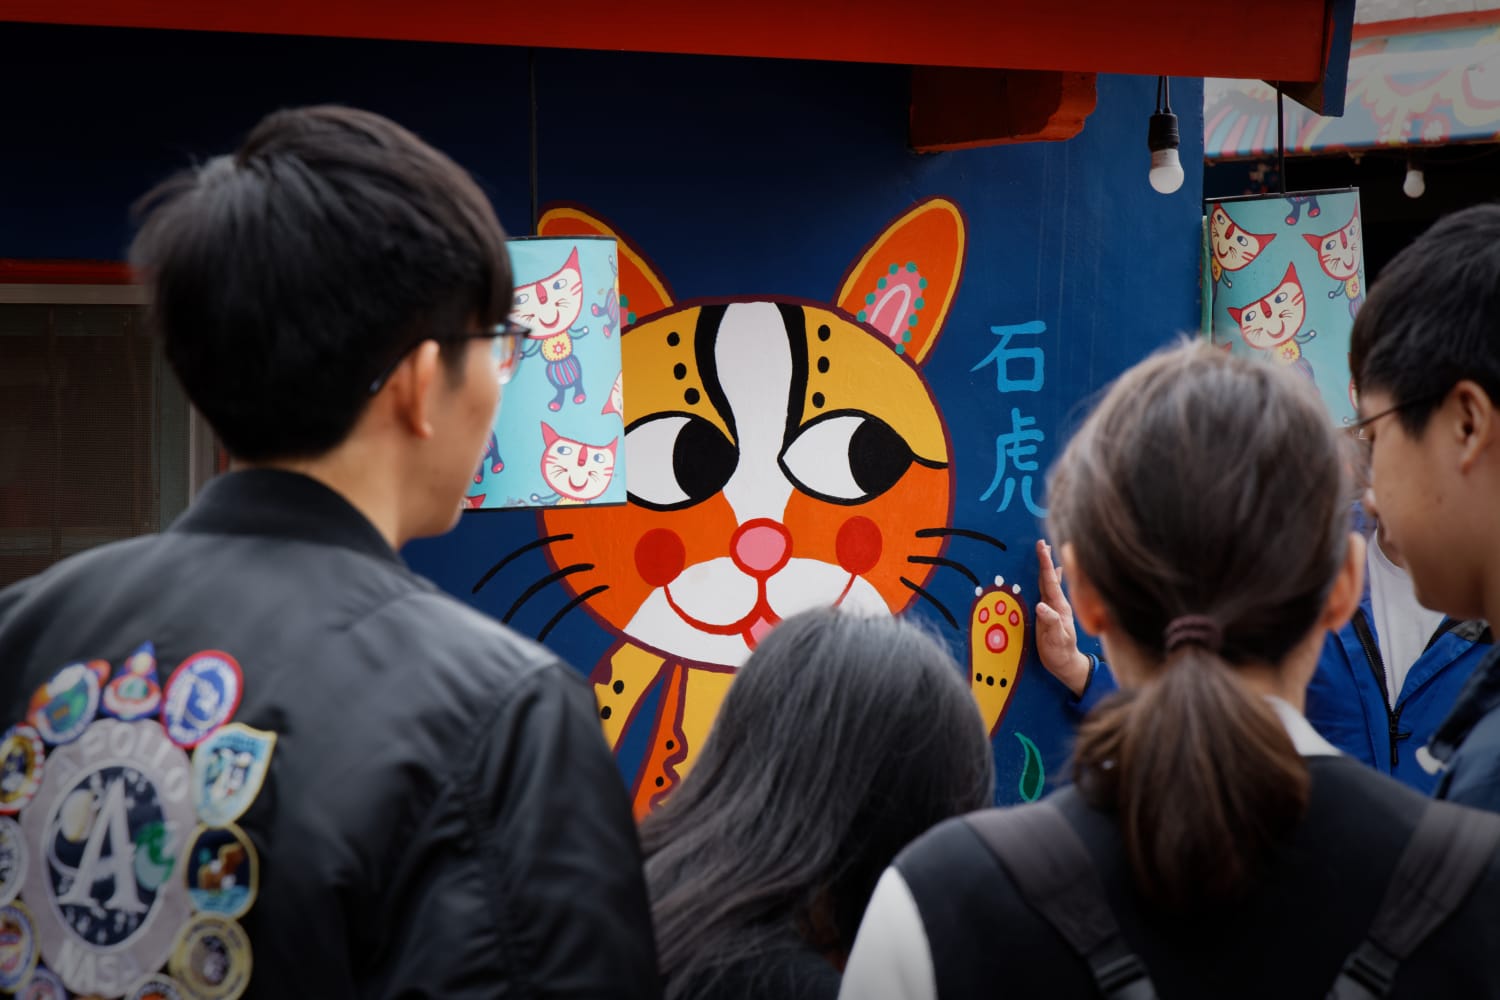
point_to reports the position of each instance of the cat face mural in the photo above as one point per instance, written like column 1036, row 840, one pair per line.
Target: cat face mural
column 1339, row 251
column 782, row 455
column 577, row 472
column 1232, row 247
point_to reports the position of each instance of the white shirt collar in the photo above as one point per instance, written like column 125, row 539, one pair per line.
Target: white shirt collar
column 1304, row 737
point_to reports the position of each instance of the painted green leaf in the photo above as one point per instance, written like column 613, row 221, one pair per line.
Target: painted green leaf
column 1033, row 775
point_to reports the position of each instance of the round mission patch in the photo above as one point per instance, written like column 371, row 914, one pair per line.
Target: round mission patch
column 105, row 829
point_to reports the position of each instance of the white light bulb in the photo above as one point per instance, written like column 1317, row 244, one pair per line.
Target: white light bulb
column 1166, row 171
column 1415, row 184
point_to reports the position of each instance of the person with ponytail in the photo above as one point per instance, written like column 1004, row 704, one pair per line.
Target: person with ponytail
column 842, row 738
column 1201, row 515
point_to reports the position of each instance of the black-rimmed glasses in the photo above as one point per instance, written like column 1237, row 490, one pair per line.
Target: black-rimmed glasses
column 1359, row 427
column 505, row 349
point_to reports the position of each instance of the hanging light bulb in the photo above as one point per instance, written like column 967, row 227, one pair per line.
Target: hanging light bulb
column 1163, row 139
column 1415, row 184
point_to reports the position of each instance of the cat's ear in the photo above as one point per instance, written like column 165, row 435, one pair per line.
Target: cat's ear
column 642, row 290
column 1235, row 312
column 572, row 264
column 613, row 443
column 904, row 282
column 549, row 436
column 1316, row 242
column 1290, row 278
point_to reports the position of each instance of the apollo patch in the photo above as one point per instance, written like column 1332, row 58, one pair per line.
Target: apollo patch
column 43, row 985
column 113, row 812
column 201, row 696
column 135, row 692
column 63, row 707
column 212, row 958
column 229, row 768
column 221, row 871
column 21, row 761
column 17, row 946
column 13, row 857
column 158, row 986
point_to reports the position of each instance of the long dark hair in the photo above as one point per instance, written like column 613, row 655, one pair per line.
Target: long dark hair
column 841, row 740
column 1211, row 486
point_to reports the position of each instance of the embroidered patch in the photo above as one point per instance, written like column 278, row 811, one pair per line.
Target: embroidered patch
column 101, row 671
column 135, row 693
column 229, row 768
column 17, row 946
column 157, row 986
column 21, row 761
column 43, row 985
column 222, row 871
column 12, row 859
column 201, row 696
column 105, row 830
column 63, row 707
column 212, row 958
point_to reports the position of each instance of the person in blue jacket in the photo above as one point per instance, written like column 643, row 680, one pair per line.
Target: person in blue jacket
column 1392, row 644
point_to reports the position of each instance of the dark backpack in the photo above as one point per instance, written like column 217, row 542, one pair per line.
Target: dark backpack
column 1449, row 850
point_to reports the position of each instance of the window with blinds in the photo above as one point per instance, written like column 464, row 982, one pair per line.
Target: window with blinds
column 94, row 430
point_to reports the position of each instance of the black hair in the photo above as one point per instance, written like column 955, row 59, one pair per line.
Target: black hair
column 1175, row 496
column 842, row 739
column 1433, row 317
column 286, row 277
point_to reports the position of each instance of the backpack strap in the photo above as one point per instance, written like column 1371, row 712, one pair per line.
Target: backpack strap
column 1052, row 869
column 1451, row 848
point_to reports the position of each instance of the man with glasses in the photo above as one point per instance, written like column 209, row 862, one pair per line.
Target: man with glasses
column 256, row 753
column 1426, row 358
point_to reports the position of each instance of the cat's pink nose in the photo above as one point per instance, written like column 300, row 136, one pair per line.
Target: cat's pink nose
column 761, row 547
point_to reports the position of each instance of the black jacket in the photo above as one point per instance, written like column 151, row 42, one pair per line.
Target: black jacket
column 440, row 817
column 1288, row 939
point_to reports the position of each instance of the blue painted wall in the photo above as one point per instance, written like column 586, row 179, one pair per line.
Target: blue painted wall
column 737, row 177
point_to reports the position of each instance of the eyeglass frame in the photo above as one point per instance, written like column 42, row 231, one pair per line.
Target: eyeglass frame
column 1359, row 426
column 512, row 331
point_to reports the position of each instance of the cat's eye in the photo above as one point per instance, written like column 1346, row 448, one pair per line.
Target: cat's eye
column 1280, row 297
column 846, row 458
column 676, row 460
column 1249, row 316
column 563, row 449
column 559, row 283
column 1242, row 241
column 522, row 298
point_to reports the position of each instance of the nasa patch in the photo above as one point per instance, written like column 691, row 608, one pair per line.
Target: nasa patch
column 113, row 812
column 212, row 958
column 43, row 985
column 229, row 768
column 21, row 760
column 17, row 946
column 135, row 692
column 201, row 696
column 12, row 859
column 221, row 871
column 63, row 707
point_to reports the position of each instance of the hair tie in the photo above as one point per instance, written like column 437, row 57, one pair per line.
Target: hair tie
column 1193, row 630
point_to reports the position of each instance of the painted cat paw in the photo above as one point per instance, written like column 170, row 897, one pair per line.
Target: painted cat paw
column 997, row 634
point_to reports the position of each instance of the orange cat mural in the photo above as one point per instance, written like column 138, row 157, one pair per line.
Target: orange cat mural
column 779, row 455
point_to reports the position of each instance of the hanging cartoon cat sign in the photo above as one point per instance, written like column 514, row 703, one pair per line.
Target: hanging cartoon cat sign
column 555, row 439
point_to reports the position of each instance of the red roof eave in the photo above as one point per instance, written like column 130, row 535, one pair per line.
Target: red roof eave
column 1270, row 39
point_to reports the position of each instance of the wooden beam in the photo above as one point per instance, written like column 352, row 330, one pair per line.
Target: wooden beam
column 965, row 108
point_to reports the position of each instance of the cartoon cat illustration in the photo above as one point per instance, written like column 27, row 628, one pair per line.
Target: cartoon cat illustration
column 610, row 311
column 550, row 307
column 577, row 472
column 1232, row 248
column 1274, row 322
column 780, row 455
column 1340, row 254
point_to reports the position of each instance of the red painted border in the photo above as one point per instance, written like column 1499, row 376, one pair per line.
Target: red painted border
column 1269, row 39
column 65, row 272
column 1420, row 25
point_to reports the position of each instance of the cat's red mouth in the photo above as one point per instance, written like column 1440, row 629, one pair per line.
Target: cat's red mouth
column 753, row 627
